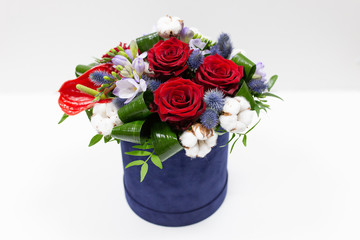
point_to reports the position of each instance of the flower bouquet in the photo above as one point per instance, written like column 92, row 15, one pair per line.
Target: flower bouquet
column 171, row 98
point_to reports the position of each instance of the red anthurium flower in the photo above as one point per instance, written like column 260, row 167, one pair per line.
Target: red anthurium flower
column 71, row 100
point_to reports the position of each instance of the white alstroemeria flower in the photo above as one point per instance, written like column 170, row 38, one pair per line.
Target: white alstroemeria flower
column 128, row 88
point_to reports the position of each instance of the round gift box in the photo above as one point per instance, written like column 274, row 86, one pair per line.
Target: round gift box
column 184, row 192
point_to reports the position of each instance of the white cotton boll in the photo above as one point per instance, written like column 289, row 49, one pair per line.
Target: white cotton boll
column 228, row 122
column 204, row 149
column 106, row 126
column 231, row 106
column 246, row 117
column 188, row 139
column 193, row 151
column 100, row 109
column 111, row 109
column 116, row 120
column 211, row 141
column 169, row 26
column 95, row 121
column 201, row 132
column 244, row 104
column 239, row 127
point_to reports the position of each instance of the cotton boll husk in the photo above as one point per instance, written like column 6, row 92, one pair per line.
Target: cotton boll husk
column 116, row 120
column 95, row 121
column 201, row 132
column 231, row 106
column 211, row 141
column 111, row 109
column 228, row 122
column 193, row 151
column 246, row 117
column 106, row 126
column 204, row 149
column 240, row 127
column 244, row 104
column 100, row 109
column 188, row 139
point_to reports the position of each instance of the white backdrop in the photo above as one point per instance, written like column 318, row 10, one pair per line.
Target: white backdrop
column 310, row 44
column 297, row 179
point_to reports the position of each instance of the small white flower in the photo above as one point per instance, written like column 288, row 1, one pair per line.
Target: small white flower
column 193, row 151
column 201, row 132
column 188, row 139
column 246, row 117
column 231, row 106
column 228, row 122
column 204, row 149
column 244, row 104
column 169, row 26
column 239, row 127
column 211, row 141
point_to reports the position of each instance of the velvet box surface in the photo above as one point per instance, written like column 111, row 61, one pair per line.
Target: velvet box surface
column 184, row 192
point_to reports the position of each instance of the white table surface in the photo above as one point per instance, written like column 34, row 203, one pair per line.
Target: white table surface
column 298, row 178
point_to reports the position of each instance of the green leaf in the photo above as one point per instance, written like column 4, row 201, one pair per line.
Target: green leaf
column 89, row 113
column 143, row 171
column 148, row 41
column 272, row 81
column 135, row 163
column 165, row 141
column 232, row 137
column 138, row 153
column 249, row 66
column 65, row 116
column 245, row 92
column 137, row 109
column 272, row 95
column 107, row 138
column 145, row 146
column 244, row 140
column 95, row 139
column 81, row 69
column 232, row 147
column 156, row 161
column 135, row 132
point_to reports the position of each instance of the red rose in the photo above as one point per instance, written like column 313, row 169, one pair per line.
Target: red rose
column 218, row 72
column 168, row 58
column 179, row 102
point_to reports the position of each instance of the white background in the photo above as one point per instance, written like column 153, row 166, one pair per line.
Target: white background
column 297, row 179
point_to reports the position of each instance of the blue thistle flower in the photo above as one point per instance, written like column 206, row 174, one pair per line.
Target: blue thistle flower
column 97, row 77
column 257, row 85
column 195, row 59
column 214, row 99
column 119, row 102
column 209, row 118
column 153, row 84
column 223, row 46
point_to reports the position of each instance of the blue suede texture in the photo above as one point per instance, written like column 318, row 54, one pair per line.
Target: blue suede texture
column 184, row 192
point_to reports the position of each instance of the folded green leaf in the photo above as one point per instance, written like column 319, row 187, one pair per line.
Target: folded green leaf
column 135, row 163
column 138, row 153
column 65, row 116
column 95, row 139
column 249, row 66
column 272, row 81
column 165, row 141
column 137, row 109
column 145, row 146
column 143, row 171
column 245, row 92
column 81, row 69
column 135, row 132
column 148, row 41
column 156, row 161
